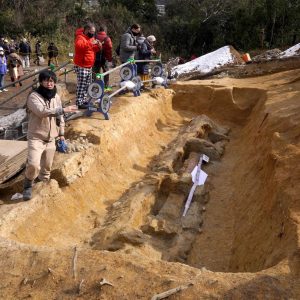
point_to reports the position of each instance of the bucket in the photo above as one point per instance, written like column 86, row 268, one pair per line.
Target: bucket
column 246, row 58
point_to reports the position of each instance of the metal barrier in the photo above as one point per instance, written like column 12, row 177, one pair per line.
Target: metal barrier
column 24, row 78
column 100, row 100
column 33, row 84
column 24, row 89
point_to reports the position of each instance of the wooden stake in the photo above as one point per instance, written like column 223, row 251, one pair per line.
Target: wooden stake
column 75, row 263
column 171, row 292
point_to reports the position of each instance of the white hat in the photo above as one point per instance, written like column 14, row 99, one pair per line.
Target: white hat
column 151, row 38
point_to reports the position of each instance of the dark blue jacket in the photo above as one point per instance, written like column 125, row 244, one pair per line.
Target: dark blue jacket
column 24, row 49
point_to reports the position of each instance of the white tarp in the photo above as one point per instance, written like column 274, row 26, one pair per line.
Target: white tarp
column 206, row 63
column 293, row 51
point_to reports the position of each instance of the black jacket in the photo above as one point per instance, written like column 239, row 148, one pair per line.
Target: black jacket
column 25, row 48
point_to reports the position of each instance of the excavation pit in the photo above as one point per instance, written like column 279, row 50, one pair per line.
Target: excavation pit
column 122, row 197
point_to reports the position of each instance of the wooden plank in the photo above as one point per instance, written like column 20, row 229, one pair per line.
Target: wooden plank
column 13, row 155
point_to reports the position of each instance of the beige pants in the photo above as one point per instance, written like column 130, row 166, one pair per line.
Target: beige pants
column 15, row 73
column 40, row 159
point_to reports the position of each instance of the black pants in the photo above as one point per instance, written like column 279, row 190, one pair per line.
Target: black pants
column 97, row 68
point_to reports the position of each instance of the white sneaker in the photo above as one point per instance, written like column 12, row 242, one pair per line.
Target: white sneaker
column 1, row 91
column 5, row 90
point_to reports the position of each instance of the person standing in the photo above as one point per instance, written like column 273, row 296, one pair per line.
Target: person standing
column 103, row 57
column 38, row 52
column 3, row 69
column 52, row 53
column 25, row 51
column 45, row 111
column 13, row 45
column 14, row 63
column 6, row 47
column 86, row 47
column 145, row 51
column 128, row 43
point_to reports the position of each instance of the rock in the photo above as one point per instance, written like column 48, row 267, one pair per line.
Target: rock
column 202, row 146
column 215, row 136
column 172, row 207
column 190, row 162
column 193, row 219
column 201, row 195
column 76, row 146
column 116, row 204
column 134, row 237
column 220, row 146
column 184, row 183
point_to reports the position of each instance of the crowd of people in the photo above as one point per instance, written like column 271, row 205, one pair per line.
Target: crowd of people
column 94, row 54
column 15, row 56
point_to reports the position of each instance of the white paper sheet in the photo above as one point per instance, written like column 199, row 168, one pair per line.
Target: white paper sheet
column 202, row 177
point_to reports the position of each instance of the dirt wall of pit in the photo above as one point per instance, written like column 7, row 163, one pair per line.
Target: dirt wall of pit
column 265, row 231
column 98, row 174
column 56, row 246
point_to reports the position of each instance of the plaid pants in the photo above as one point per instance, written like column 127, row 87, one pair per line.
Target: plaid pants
column 84, row 79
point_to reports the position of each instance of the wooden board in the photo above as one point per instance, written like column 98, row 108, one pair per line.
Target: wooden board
column 13, row 155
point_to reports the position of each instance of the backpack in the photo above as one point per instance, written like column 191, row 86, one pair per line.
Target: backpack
column 118, row 50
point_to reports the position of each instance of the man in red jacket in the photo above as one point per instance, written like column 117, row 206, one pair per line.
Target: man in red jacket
column 86, row 47
column 104, row 58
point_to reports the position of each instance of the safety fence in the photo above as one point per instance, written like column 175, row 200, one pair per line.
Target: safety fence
column 14, row 126
column 99, row 97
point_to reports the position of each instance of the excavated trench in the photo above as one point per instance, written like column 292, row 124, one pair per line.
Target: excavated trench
column 126, row 191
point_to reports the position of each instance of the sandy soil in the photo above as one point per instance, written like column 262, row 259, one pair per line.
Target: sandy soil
column 113, row 210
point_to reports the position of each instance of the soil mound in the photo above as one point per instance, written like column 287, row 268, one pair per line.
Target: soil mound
column 270, row 54
column 207, row 63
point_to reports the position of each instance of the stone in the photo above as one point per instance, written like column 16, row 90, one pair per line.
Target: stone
column 134, row 237
column 215, row 137
column 202, row 146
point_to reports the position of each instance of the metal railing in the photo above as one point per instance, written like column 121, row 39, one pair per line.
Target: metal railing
column 35, row 81
column 24, row 78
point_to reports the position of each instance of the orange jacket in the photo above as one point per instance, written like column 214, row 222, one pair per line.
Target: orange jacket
column 85, row 51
